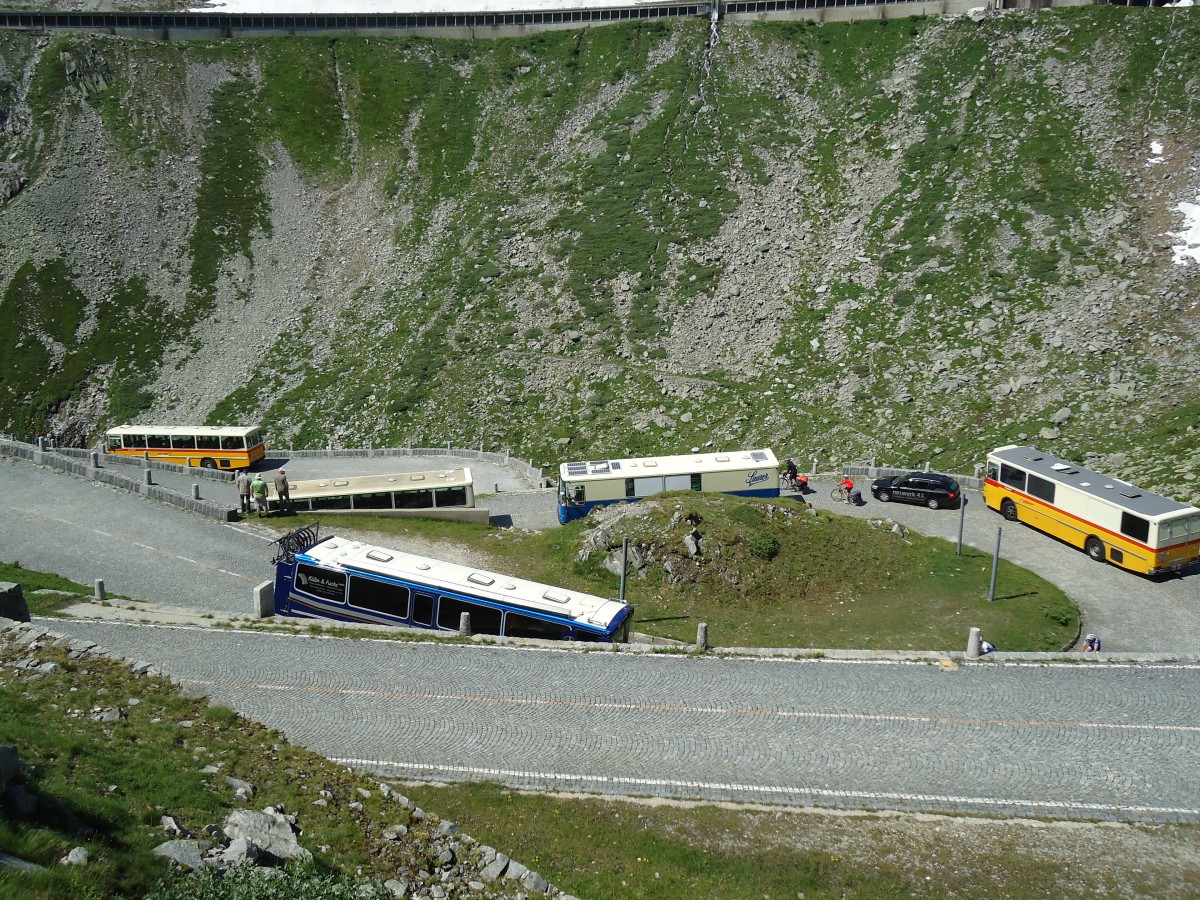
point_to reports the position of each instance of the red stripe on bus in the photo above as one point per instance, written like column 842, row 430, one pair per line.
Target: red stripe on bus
column 1123, row 537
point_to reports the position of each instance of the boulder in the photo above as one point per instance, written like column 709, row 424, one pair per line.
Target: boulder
column 270, row 832
column 186, row 853
column 12, row 602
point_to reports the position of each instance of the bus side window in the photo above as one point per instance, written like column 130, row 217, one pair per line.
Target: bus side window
column 422, row 609
column 1135, row 527
column 629, row 490
column 577, row 494
column 183, row 442
column 208, row 442
column 233, row 442
column 1041, row 488
column 450, row 496
column 135, row 442
column 380, row 596
column 1012, row 476
column 696, row 482
column 516, row 625
column 484, row 619
column 158, row 441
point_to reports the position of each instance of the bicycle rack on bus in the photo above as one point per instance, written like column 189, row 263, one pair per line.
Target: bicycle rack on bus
column 296, row 542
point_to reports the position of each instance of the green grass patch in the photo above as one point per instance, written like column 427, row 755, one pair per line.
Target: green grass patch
column 31, row 581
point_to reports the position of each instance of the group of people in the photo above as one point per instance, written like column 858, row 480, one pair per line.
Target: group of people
column 256, row 488
column 799, row 483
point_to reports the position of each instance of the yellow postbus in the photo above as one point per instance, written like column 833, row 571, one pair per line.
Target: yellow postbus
column 207, row 446
column 1109, row 519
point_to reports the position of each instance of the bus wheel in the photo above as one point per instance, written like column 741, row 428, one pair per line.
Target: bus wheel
column 207, row 463
column 1008, row 509
column 1095, row 549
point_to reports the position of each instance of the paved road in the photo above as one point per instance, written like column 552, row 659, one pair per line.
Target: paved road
column 1131, row 613
column 1092, row 741
column 142, row 549
column 158, row 554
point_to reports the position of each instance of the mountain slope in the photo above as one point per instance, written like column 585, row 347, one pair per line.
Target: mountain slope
column 912, row 239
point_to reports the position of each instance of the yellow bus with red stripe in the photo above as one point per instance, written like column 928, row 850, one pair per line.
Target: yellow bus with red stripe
column 1109, row 519
column 206, row 446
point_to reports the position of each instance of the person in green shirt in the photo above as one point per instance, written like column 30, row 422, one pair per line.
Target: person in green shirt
column 258, row 490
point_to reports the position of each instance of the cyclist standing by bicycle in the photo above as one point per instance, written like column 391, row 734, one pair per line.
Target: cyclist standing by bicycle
column 847, row 486
column 789, row 474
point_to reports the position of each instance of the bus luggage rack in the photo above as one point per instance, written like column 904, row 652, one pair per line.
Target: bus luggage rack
column 296, row 542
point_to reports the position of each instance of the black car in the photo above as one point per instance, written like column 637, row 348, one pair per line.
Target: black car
column 929, row 488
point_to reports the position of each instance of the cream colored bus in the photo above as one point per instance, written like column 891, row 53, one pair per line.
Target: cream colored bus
column 1111, row 520
column 582, row 486
column 449, row 493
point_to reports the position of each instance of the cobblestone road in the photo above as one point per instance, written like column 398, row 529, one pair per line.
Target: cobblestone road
column 1092, row 741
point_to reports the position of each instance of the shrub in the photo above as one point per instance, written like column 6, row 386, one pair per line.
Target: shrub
column 764, row 545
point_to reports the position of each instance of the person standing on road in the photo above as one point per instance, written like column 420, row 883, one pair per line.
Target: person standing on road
column 283, row 492
column 258, row 488
column 1091, row 643
column 243, row 489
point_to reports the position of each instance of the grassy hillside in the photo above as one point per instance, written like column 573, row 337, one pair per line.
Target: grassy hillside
column 913, row 239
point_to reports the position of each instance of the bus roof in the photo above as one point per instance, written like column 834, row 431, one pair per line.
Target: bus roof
column 214, row 430
column 378, row 484
column 586, row 609
column 734, row 460
column 1121, row 493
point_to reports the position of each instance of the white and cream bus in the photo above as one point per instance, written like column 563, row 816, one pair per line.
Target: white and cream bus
column 1107, row 518
column 446, row 494
column 582, row 486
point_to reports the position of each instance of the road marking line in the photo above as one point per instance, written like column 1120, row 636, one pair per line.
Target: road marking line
column 825, row 793
column 166, row 554
column 706, row 710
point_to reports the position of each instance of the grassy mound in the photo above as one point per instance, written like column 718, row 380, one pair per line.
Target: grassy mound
column 777, row 574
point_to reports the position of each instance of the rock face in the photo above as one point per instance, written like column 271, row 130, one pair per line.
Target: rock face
column 914, row 289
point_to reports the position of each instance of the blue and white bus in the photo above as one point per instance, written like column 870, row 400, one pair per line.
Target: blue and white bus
column 349, row 581
column 582, row 486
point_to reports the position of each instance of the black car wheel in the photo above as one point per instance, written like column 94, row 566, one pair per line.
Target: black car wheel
column 885, row 496
column 933, row 503
column 1008, row 509
column 1095, row 549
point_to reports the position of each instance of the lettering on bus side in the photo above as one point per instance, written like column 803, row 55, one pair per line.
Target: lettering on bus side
column 756, row 478
column 319, row 583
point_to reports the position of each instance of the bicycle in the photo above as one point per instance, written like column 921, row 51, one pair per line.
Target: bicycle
column 788, row 483
column 839, row 495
